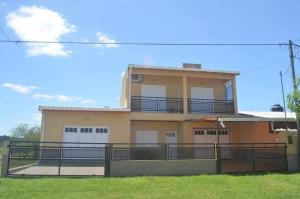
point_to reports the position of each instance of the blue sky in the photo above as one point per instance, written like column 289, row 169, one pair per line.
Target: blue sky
column 73, row 75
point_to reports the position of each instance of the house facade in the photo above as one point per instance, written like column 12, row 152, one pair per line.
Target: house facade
column 168, row 105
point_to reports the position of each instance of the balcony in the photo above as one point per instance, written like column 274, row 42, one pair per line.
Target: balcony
column 156, row 104
column 210, row 106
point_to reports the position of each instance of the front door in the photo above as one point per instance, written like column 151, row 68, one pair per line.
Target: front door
column 171, row 139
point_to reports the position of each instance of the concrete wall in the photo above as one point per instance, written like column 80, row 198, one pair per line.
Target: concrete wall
column 162, row 167
column 117, row 122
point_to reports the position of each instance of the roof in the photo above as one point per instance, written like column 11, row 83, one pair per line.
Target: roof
column 60, row 108
column 269, row 114
column 181, row 69
column 256, row 116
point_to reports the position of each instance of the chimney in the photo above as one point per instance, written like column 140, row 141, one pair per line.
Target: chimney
column 193, row 66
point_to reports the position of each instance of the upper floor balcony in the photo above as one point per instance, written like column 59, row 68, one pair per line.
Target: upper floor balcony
column 175, row 105
column 180, row 91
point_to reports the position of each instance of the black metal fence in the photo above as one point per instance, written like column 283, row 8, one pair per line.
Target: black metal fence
column 251, row 157
column 156, row 104
column 162, row 151
column 57, row 158
column 80, row 159
column 210, row 106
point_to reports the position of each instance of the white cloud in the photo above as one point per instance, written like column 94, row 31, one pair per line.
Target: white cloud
column 62, row 98
column 43, row 96
column 41, row 24
column 19, row 88
column 104, row 38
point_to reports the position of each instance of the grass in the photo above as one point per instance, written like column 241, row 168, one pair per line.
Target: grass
column 205, row 186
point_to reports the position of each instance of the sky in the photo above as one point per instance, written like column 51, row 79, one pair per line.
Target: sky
column 90, row 76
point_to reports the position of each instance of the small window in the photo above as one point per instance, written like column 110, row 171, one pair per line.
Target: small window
column 211, row 132
column 70, row 130
column 86, row 130
column 223, row 132
column 101, row 130
column 199, row 132
column 290, row 140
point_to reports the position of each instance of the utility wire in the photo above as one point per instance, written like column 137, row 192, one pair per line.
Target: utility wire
column 260, row 67
column 144, row 43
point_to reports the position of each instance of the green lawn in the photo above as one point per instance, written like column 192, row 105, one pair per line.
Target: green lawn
column 214, row 186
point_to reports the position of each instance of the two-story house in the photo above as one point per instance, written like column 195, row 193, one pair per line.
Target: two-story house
column 185, row 104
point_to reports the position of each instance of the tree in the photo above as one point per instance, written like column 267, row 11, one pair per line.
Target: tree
column 293, row 100
column 26, row 132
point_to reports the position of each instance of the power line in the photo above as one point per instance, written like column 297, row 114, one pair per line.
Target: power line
column 143, row 43
column 261, row 66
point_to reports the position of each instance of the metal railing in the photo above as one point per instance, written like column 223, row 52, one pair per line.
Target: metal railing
column 58, row 158
column 252, row 157
column 210, row 106
column 156, row 104
column 162, row 151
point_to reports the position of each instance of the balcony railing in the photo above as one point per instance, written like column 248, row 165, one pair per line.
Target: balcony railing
column 156, row 104
column 210, row 106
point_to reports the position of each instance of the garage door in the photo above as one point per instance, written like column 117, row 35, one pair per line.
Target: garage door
column 211, row 136
column 83, row 135
column 145, row 137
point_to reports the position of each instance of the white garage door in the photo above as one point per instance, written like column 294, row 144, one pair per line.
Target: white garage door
column 146, row 137
column 83, row 135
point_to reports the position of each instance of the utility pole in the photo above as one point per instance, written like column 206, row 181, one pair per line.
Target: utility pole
column 292, row 65
column 295, row 86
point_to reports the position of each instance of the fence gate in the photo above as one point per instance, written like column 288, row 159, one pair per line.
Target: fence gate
column 58, row 159
column 251, row 157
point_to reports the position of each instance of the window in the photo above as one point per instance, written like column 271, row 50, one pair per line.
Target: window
column 228, row 90
column 211, row 132
column 199, row 132
column 223, row 132
column 86, row 130
column 70, row 129
column 101, row 130
column 170, row 134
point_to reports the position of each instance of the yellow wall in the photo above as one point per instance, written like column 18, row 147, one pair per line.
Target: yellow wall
column 117, row 122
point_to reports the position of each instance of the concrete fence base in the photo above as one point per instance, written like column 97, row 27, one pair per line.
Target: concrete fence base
column 162, row 167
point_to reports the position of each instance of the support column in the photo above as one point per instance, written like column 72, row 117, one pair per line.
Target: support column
column 185, row 95
column 234, row 95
